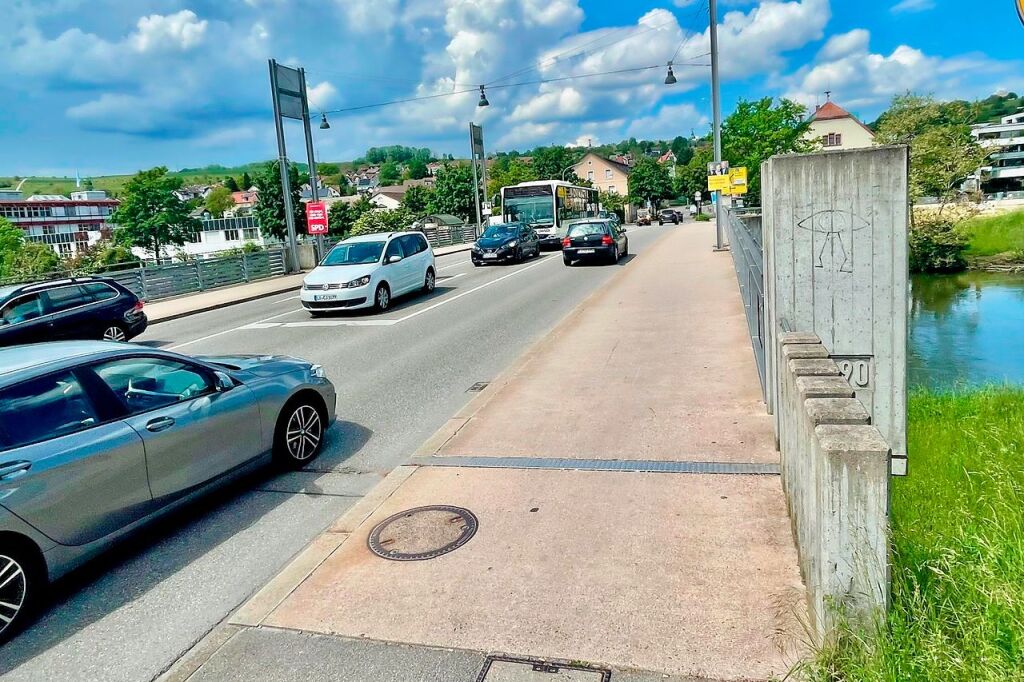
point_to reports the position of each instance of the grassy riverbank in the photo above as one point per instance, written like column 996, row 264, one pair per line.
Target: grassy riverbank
column 995, row 239
column 958, row 550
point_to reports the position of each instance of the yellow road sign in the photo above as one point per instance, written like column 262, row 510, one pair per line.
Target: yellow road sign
column 737, row 181
column 719, row 183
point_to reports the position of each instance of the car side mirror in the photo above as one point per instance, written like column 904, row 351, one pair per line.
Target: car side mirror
column 394, row 259
column 223, row 382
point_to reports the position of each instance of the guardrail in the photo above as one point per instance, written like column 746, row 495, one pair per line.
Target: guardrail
column 747, row 248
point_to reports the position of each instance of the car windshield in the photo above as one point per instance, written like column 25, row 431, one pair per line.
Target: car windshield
column 354, row 253
column 501, row 231
column 585, row 229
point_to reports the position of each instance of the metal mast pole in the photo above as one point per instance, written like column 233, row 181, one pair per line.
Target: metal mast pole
column 313, row 176
column 476, row 184
column 282, row 160
column 716, row 107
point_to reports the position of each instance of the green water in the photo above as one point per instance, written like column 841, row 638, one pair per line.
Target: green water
column 966, row 329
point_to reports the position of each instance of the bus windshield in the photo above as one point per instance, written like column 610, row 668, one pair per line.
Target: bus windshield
column 530, row 210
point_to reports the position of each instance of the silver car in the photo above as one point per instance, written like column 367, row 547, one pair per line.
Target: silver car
column 98, row 438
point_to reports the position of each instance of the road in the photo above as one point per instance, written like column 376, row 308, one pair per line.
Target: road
column 130, row 614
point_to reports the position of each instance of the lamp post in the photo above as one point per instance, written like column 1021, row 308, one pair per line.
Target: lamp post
column 716, row 106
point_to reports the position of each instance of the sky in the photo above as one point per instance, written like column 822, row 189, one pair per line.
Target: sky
column 114, row 86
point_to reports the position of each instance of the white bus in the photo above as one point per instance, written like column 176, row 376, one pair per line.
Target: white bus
column 547, row 205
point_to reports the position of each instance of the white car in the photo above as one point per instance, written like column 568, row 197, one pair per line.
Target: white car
column 369, row 271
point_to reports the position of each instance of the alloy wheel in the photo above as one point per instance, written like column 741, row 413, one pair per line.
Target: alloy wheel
column 303, row 433
column 383, row 298
column 113, row 333
column 13, row 590
column 431, row 281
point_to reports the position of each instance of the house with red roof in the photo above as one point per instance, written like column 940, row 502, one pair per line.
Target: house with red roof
column 837, row 129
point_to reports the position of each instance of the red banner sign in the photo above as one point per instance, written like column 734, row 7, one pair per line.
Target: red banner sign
column 316, row 217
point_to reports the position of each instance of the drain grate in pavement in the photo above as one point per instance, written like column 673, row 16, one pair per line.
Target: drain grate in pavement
column 477, row 387
column 507, row 669
column 422, row 533
column 638, row 465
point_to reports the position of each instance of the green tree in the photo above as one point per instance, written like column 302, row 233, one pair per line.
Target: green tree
column 246, row 181
column 649, row 181
column 87, row 184
column 389, row 174
column 327, row 168
column 510, row 172
column 150, row 216
column 613, row 201
column 550, row 162
column 416, row 200
column 219, row 200
column 417, row 169
column 231, row 184
column 682, row 149
column 342, row 215
column 269, row 209
column 759, row 129
column 693, row 176
column 453, row 192
column 12, row 239
column 383, row 220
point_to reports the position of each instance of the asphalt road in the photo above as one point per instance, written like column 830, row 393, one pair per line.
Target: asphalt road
column 131, row 613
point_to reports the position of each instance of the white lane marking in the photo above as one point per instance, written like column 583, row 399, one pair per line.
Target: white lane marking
column 448, row 278
column 456, row 265
column 290, row 298
column 233, row 329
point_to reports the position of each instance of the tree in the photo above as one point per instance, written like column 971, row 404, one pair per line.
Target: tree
column 509, row 172
column 692, row 177
column 150, row 216
column 681, row 148
column 649, row 181
column 327, row 168
column 453, row 192
column 550, row 162
column 246, row 181
column 219, row 200
column 343, row 215
column 269, row 209
column 416, row 200
column 389, row 174
column 613, row 201
column 11, row 240
column 759, row 129
column 231, row 184
column 384, row 220
column 87, row 185
column 417, row 169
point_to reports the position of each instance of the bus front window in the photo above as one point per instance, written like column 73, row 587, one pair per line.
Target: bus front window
column 533, row 211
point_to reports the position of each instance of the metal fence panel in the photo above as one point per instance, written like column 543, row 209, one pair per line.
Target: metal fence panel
column 746, row 246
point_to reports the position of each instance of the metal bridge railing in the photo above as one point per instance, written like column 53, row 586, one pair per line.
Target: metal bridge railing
column 747, row 248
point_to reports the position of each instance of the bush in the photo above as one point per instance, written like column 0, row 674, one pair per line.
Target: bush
column 702, row 217
column 935, row 243
column 372, row 222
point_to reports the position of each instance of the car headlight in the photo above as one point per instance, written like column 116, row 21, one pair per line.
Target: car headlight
column 361, row 282
column 317, row 372
column 512, row 244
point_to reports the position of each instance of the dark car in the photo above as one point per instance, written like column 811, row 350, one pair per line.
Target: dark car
column 505, row 242
column 77, row 308
column 668, row 215
column 594, row 239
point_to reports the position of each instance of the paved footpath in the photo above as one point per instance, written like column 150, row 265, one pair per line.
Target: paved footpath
column 630, row 515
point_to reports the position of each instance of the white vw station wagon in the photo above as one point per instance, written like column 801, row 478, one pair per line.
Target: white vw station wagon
column 369, row 271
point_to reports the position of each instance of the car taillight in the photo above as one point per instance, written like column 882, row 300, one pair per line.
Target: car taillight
column 566, row 242
column 606, row 241
column 137, row 308
column 133, row 312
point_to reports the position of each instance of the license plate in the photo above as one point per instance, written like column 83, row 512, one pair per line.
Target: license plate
column 585, row 251
column 325, row 297
column 490, row 255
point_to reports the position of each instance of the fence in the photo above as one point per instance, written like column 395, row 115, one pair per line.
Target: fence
column 437, row 236
column 747, row 250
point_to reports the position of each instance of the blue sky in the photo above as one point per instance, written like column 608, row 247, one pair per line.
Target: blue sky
column 112, row 86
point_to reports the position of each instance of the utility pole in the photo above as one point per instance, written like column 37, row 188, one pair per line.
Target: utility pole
column 716, row 107
column 282, row 159
column 314, row 177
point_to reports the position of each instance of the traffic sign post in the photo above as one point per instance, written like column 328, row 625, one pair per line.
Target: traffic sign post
column 316, row 218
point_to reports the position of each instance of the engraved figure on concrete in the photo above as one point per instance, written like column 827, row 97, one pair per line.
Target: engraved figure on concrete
column 834, row 224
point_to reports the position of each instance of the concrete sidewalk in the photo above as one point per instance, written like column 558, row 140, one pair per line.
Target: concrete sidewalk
column 181, row 306
column 630, row 515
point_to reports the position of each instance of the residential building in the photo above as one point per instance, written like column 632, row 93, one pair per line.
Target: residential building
column 605, row 175
column 1005, row 169
column 190, row 192
column 215, row 236
column 433, row 167
column 245, row 200
column 838, row 129
column 669, row 159
column 67, row 225
column 388, row 196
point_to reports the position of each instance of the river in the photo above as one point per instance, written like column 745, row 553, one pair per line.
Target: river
column 966, row 329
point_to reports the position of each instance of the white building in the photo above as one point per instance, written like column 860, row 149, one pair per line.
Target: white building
column 838, row 129
column 1005, row 169
column 216, row 235
column 65, row 224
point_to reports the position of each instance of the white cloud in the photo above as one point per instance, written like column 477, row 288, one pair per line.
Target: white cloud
column 182, row 31
column 845, row 44
column 322, row 95
column 670, row 121
column 912, row 6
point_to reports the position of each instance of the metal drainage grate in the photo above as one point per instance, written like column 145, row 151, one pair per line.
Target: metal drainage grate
column 507, row 669
column 639, row 465
column 477, row 387
column 422, row 533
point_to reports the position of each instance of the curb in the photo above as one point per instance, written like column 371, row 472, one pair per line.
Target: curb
column 256, row 297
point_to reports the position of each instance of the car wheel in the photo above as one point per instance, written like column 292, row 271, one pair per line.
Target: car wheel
column 567, row 261
column 300, row 433
column 518, row 258
column 477, row 264
column 382, row 298
column 114, row 332
column 615, row 254
column 430, row 281
column 22, row 581
column 625, row 250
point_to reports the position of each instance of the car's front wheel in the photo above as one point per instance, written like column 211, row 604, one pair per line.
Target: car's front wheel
column 22, row 580
column 382, row 297
column 300, row 433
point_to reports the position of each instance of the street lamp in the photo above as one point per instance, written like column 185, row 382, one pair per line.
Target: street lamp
column 670, row 79
column 324, row 125
column 483, row 99
column 566, row 171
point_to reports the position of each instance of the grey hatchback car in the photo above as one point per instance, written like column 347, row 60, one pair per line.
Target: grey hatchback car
column 97, row 438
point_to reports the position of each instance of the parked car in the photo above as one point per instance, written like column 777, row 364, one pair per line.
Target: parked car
column 594, row 239
column 668, row 215
column 643, row 217
column 506, row 242
column 369, row 271
column 96, row 439
column 76, row 308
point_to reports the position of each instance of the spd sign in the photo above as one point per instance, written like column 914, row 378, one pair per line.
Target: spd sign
column 316, row 217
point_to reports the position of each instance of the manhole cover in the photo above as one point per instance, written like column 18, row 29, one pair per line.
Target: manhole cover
column 422, row 533
column 503, row 669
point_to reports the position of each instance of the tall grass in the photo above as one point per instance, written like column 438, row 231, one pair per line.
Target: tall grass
column 994, row 235
column 958, row 551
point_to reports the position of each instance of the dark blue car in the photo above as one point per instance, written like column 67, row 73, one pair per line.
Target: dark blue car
column 506, row 242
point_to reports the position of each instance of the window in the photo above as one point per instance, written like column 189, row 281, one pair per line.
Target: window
column 40, row 409
column 49, row 229
column 607, row 173
column 832, row 140
column 413, row 244
column 143, row 384
column 250, row 234
column 22, row 309
column 611, row 188
column 64, row 298
column 590, row 175
column 64, row 248
column 231, row 235
column 394, row 249
column 100, row 291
